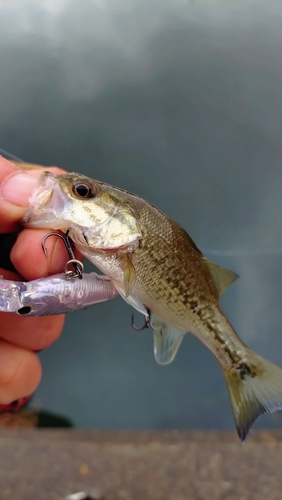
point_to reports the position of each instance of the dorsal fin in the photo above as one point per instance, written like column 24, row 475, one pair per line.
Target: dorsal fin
column 221, row 277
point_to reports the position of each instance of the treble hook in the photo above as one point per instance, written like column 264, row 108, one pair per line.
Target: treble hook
column 147, row 322
column 79, row 267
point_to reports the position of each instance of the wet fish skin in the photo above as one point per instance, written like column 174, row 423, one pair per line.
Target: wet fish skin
column 153, row 262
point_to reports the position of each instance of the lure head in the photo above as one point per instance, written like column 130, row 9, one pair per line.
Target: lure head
column 95, row 215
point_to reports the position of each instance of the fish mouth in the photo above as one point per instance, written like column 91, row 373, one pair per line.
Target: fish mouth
column 45, row 204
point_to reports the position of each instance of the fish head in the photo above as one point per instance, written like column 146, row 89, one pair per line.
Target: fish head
column 95, row 216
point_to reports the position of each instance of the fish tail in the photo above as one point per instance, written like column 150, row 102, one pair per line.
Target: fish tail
column 255, row 388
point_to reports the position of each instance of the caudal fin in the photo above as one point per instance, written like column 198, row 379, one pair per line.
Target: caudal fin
column 255, row 388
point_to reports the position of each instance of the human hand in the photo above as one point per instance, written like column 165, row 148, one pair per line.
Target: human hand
column 20, row 337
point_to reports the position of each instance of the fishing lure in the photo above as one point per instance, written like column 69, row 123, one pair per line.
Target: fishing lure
column 57, row 294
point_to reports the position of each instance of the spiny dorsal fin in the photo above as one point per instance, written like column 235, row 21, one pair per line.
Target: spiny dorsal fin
column 129, row 275
column 167, row 340
column 221, row 277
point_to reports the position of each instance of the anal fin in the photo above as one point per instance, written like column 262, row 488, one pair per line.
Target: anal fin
column 167, row 340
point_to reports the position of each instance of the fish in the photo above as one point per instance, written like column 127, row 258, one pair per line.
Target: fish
column 156, row 266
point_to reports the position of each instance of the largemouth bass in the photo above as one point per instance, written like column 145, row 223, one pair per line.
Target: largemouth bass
column 156, row 266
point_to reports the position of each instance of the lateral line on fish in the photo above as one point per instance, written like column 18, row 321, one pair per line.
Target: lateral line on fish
column 214, row 329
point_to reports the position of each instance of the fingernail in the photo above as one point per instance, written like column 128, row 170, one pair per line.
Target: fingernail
column 18, row 188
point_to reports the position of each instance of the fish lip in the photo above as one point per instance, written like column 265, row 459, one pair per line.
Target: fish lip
column 47, row 200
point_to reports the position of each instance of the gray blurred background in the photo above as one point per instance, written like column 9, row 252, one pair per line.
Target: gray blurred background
column 180, row 102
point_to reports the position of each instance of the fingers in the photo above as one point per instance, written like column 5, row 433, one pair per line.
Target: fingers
column 20, row 372
column 31, row 333
column 9, row 275
column 28, row 257
column 20, row 369
column 16, row 187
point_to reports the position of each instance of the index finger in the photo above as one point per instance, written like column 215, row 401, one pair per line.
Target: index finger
column 16, row 187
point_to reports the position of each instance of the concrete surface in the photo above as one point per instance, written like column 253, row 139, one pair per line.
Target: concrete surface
column 47, row 464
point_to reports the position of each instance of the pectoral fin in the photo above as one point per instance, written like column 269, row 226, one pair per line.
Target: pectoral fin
column 167, row 340
column 129, row 275
column 132, row 301
column 221, row 277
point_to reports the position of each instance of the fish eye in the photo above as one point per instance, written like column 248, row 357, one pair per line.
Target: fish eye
column 83, row 190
